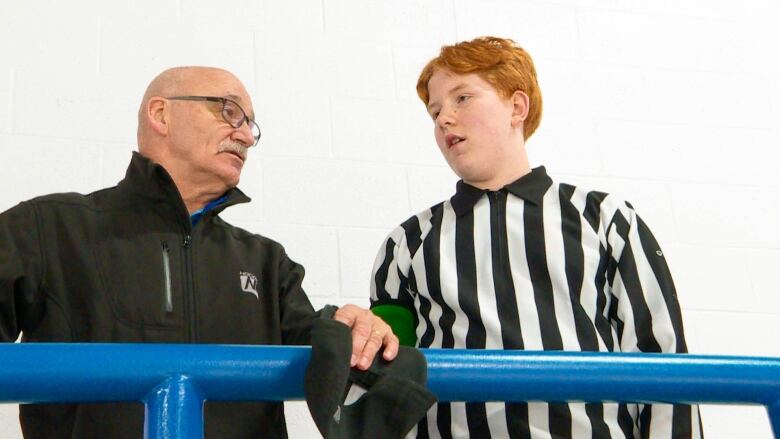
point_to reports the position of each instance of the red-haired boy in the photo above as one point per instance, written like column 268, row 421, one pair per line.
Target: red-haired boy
column 515, row 260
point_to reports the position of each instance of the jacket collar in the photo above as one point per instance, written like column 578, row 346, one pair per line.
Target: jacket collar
column 530, row 187
column 148, row 179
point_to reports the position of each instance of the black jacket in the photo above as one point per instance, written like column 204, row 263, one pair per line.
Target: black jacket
column 124, row 264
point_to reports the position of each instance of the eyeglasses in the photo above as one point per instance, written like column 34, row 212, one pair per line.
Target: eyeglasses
column 233, row 114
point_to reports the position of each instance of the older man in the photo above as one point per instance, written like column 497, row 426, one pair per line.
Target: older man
column 150, row 260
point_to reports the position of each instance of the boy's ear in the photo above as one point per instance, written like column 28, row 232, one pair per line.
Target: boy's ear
column 520, row 103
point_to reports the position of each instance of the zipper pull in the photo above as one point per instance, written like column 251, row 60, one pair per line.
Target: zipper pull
column 167, row 278
column 187, row 241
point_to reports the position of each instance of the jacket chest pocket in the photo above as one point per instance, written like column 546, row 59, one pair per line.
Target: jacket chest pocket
column 143, row 278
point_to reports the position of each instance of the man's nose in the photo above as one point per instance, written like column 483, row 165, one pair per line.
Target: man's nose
column 243, row 134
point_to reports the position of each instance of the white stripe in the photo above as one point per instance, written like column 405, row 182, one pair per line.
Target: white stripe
column 496, row 416
column 580, row 422
column 483, row 255
column 556, row 266
column 539, row 420
column 611, row 418
column 521, row 278
column 590, row 252
column 661, row 421
column 662, row 327
column 449, row 277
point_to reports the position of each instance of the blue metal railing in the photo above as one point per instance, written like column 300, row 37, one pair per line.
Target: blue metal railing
column 173, row 381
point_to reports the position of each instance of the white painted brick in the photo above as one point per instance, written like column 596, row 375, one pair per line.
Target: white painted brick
column 229, row 17
column 711, row 278
column 404, row 21
column 293, row 124
column 308, row 62
column 662, row 41
column 593, row 90
column 408, row 62
column 6, row 99
column 762, row 266
column 719, row 215
column 357, row 251
column 141, row 8
column 529, row 24
column 713, row 99
column 37, row 35
column 159, row 43
column 75, row 104
column 315, row 248
column 114, row 162
column 37, row 166
column 429, row 186
column 333, row 193
column 735, row 421
column 566, row 145
column 396, row 132
column 730, row 333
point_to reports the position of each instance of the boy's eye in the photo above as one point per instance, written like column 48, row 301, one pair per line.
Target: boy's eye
column 434, row 115
column 462, row 98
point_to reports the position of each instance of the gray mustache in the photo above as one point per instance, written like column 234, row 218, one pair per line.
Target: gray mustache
column 234, row 147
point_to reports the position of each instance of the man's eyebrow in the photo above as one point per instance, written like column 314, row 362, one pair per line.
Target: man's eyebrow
column 238, row 101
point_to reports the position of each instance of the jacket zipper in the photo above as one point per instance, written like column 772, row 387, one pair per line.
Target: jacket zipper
column 167, row 277
column 187, row 244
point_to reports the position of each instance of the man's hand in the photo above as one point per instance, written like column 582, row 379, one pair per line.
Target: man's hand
column 369, row 333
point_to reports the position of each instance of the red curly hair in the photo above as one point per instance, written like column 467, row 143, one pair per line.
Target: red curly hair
column 504, row 65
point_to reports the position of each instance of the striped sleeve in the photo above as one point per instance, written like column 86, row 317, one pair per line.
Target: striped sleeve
column 390, row 275
column 647, row 311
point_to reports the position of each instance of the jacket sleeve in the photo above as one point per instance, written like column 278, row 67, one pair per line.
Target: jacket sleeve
column 647, row 315
column 297, row 313
column 21, row 271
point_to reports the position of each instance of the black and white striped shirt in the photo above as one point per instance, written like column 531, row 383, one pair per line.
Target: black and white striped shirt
column 536, row 265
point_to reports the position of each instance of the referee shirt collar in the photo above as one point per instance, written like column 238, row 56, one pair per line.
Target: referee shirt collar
column 530, row 187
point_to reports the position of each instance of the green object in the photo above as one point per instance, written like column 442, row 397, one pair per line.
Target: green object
column 401, row 320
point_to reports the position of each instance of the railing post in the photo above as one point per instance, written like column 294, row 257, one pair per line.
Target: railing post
column 174, row 410
column 774, row 417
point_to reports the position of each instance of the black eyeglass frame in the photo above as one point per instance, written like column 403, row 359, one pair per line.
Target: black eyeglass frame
column 250, row 122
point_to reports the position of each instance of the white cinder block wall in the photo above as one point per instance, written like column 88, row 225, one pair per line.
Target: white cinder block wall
column 673, row 104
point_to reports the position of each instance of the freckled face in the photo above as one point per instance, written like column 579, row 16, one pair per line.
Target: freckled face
column 472, row 124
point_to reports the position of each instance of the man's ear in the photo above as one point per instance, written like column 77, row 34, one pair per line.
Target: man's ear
column 520, row 106
column 157, row 115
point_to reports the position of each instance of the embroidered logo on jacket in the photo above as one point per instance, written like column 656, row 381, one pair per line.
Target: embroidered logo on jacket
column 249, row 283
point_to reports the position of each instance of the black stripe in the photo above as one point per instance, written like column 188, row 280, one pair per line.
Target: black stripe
column 444, row 420
column 431, row 252
column 681, row 421
column 574, row 260
column 643, row 320
column 540, row 277
column 593, row 208
column 625, row 421
column 644, row 421
column 560, row 420
column 423, row 302
column 599, row 428
column 466, row 266
column 380, row 277
column 661, row 271
column 422, row 429
column 413, row 234
column 602, row 324
column 506, row 298
column 476, row 418
column 517, row 420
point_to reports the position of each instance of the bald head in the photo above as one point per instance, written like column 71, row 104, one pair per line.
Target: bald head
column 173, row 82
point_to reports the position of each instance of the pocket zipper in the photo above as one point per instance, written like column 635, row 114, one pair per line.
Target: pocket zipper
column 167, row 276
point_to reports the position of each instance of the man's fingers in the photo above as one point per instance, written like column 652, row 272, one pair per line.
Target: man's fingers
column 369, row 334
